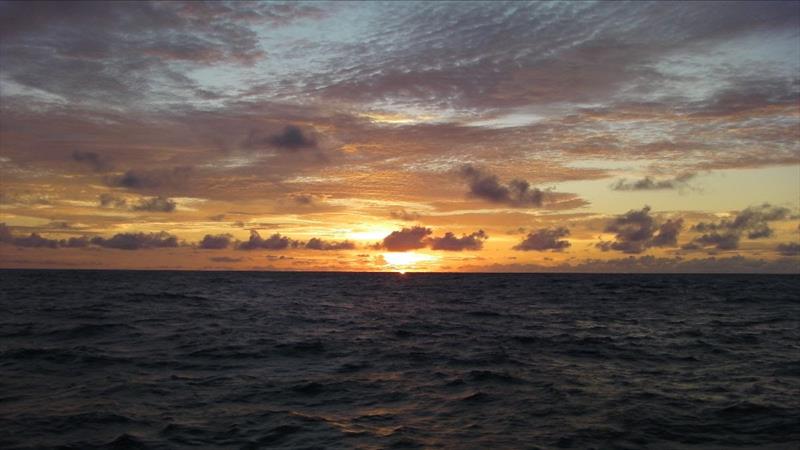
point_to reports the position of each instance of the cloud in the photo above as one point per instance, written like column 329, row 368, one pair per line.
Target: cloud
column 149, row 179
column 107, row 200
column 155, row 204
column 32, row 240
column 545, row 239
column 274, row 242
column 291, row 139
column 650, row 184
column 75, row 242
column 319, row 244
column 137, row 241
column 35, row 240
column 215, row 242
column 404, row 215
column 722, row 241
column 152, row 204
column 304, row 199
column 726, row 234
column 637, row 231
column 788, row 249
column 406, row 239
column 450, row 242
column 487, row 186
column 417, row 237
column 91, row 159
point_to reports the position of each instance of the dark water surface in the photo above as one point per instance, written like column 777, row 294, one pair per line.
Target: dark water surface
column 95, row 359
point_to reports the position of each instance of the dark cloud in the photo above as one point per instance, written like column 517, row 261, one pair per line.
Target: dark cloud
column 5, row 233
column 291, row 139
column 131, row 52
column 404, row 215
column 450, row 242
column 75, row 242
column 274, row 242
column 752, row 222
column 406, row 239
column 107, row 200
column 667, row 234
column 32, row 240
column 149, row 179
column 155, row 204
column 487, row 186
column 215, row 242
column 96, row 162
column 651, row 184
column 137, row 241
column 418, row 237
column 37, row 241
column 788, row 249
column 728, row 240
column 545, row 239
column 304, row 199
column 319, row 244
column 637, row 231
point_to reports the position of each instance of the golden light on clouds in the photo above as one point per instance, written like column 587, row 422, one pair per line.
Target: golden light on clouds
column 324, row 142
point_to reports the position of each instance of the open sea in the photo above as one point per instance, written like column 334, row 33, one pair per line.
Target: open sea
column 229, row 360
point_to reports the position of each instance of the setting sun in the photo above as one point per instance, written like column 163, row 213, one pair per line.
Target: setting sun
column 406, row 261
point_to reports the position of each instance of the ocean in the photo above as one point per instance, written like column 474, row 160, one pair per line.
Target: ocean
column 228, row 360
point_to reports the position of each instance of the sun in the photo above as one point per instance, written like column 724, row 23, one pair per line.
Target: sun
column 405, row 261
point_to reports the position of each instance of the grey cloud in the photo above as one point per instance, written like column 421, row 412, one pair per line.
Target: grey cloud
column 291, row 139
column 149, row 179
column 487, row 186
column 320, row 244
column 96, row 162
column 303, row 199
column 35, row 240
column 545, row 239
column 667, row 234
column 75, row 242
column 137, row 241
column 155, row 204
column 788, row 249
column 274, row 242
column 637, row 231
column 215, row 242
column 651, row 184
column 752, row 221
column 450, row 242
column 406, row 239
column 723, row 241
column 128, row 54
column 404, row 215
column 151, row 204
column 107, row 200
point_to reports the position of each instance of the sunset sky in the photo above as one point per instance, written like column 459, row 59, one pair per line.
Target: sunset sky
column 424, row 136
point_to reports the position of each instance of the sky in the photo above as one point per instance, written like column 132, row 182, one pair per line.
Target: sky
column 401, row 136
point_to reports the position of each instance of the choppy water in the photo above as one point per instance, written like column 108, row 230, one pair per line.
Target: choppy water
column 251, row 360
